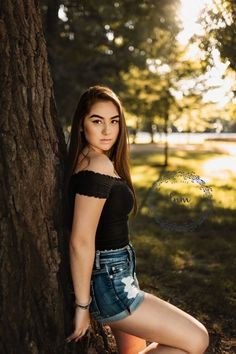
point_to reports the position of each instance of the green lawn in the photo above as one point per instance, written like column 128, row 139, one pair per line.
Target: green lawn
column 195, row 270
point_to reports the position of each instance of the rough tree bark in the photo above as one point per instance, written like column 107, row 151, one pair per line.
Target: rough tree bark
column 35, row 304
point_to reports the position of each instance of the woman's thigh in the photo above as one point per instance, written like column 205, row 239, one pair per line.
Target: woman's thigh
column 128, row 343
column 157, row 320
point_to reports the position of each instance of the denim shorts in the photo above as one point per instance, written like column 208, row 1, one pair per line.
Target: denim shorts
column 114, row 287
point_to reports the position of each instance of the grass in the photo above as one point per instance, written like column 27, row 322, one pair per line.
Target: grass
column 194, row 270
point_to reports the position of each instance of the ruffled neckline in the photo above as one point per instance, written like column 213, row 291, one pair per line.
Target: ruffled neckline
column 97, row 173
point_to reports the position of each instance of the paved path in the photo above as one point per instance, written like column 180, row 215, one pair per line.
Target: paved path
column 222, row 167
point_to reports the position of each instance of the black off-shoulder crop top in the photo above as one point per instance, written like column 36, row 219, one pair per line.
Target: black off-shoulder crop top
column 113, row 229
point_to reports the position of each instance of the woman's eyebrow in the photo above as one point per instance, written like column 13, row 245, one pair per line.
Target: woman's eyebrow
column 97, row 116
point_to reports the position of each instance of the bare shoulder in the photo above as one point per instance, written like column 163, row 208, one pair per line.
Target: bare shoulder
column 101, row 163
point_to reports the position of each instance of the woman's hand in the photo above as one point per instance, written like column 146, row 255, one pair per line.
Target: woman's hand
column 81, row 323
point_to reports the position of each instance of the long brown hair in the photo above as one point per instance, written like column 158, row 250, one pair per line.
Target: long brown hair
column 119, row 154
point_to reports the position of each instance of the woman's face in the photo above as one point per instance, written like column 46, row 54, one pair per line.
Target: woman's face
column 101, row 126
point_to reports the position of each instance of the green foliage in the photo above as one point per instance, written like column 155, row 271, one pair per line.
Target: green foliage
column 101, row 40
column 150, row 94
column 220, row 26
column 131, row 46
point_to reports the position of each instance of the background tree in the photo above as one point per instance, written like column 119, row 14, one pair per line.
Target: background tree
column 151, row 93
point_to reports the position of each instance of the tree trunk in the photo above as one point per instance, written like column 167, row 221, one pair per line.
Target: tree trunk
column 35, row 298
column 166, row 146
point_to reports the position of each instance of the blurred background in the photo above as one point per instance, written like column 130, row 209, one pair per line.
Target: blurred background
column 173, row 64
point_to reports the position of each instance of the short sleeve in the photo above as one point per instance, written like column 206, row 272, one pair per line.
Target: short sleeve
column 90, row 183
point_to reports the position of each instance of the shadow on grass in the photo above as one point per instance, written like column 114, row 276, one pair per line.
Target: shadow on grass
column 194, row 270
column 154, row 158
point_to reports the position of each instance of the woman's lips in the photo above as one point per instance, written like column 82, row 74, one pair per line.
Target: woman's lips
column 105, row 140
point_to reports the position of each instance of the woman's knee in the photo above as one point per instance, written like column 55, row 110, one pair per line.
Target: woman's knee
column 199, row 342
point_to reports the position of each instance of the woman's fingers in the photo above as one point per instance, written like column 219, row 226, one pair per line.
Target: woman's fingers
column 76, row 336
column 73, row 336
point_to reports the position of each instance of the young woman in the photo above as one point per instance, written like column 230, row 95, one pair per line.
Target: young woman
column 102, row 257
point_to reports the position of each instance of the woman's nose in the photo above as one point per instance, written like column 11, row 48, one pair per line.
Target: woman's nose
column 106, row 128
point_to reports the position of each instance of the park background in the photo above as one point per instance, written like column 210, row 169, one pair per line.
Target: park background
column 173, row 65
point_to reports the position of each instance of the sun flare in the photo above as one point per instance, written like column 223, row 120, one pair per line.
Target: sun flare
column 189, row 13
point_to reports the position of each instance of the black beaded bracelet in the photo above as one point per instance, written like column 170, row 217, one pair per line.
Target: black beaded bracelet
column 84, row 307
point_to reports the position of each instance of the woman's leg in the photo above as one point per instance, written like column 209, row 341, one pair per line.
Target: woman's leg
column 128, row 343
column 161, row 349
column 158, row 321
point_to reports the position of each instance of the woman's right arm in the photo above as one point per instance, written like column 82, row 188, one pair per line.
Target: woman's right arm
column 87, row 212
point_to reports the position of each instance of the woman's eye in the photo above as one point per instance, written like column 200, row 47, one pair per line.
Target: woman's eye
column 99, row 121
column 96, row 121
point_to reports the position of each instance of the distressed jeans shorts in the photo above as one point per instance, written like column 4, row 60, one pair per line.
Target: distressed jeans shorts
column 114, row 287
